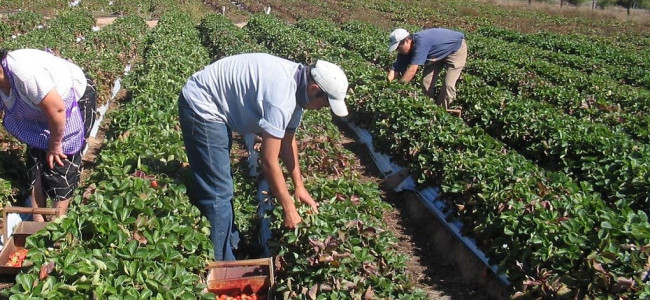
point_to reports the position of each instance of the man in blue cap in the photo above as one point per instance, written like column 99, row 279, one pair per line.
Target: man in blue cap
column 435, row 49
column 251, row 93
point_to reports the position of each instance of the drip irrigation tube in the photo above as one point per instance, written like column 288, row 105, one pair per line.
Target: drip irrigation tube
column 117, row 85
column 428, row 196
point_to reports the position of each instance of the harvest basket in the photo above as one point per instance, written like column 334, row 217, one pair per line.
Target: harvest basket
column 231, row 278
column 16, row 241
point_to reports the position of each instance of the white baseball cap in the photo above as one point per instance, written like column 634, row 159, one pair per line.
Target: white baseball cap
column 395, row 37
column 334, row 83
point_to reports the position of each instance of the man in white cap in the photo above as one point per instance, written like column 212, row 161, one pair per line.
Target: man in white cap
column 435, row 49
column 251, row 93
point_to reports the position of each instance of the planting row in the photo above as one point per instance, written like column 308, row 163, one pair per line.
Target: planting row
column 601, row 87
column 534, row 224
column 103, row 54
column 616, row 166
column 631, row 65
column 578, row 62
column 470, row 15
column 463, row 13
column 567, row 98
column 19, row 23
column 143, row 8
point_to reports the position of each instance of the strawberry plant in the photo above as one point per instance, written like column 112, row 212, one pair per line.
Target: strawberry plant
column 534, row 224
column 131, row 239
column 583, row 47
column 20, row 23
column 223, row 38
column 589, row 152
column 570, row 100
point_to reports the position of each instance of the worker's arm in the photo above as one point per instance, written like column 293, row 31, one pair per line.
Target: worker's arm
column 410, row 72
column 398, row 67
column 391, row 75
column 54, row 108
column 270, row 165
column 289, row 154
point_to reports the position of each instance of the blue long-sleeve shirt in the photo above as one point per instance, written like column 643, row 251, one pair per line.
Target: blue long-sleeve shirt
column 429, row 45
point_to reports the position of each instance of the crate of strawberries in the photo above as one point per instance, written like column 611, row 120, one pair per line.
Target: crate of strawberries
column 250, row 279
column 14, row 253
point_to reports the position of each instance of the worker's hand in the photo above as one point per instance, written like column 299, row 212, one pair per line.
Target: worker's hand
column 291, row 218
column 390, row 76
column 55, row 155
column 304, row 197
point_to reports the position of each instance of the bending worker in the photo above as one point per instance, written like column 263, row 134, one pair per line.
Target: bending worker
column 251, row 93
column 435, row 49
column 49, row 104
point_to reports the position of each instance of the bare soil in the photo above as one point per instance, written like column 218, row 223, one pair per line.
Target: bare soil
column 103, row 21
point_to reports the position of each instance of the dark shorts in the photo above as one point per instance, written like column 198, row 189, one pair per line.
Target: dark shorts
column 59, row 183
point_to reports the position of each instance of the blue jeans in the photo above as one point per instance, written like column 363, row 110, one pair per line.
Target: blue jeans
column 207, row 145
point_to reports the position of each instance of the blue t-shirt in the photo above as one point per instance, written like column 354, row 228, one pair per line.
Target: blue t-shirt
column 250, row 93
column 429, row 45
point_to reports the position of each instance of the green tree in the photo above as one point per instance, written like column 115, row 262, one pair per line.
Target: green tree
column 630, row 4
column 576, row 2
column 605, row 3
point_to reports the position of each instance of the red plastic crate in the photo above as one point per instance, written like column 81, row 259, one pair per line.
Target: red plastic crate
column 253, row 276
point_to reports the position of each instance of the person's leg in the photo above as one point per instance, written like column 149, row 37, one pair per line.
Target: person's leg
column 34, row 181
column 430, row 75
column 57, row 184
column 60, row 182
column 455, row 64
column 448, row 91
column 88, row 105
column 207, row 145
column 37, row 197
column 61, row 206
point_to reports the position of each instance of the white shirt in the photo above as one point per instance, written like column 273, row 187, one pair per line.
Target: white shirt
column 37, row 72
column 248, row 92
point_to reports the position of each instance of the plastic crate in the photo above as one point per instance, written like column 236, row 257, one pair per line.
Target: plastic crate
column 231, row 278
column 15, row 243
column 21, row 231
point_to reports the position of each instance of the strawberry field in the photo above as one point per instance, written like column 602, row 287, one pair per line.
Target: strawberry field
column 547, row 170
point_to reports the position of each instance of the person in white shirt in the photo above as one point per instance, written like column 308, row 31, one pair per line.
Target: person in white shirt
column 48, row 103
column 251, row 93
